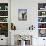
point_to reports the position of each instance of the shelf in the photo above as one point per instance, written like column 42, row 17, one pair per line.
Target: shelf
column 41, row 22
column 3, row 22
column 41, row 28
column 41, row 19
column 4, row 19
column 41, row 10
column 3, row 10
column 3, row 16
column 42, row 16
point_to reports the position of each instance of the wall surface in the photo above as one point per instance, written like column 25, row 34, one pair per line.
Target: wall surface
column 32, row 14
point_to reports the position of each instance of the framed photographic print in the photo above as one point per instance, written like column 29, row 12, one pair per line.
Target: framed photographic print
column 22, row 14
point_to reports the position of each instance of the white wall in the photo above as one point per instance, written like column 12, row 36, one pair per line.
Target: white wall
column 31, row 7
column 32, row 13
